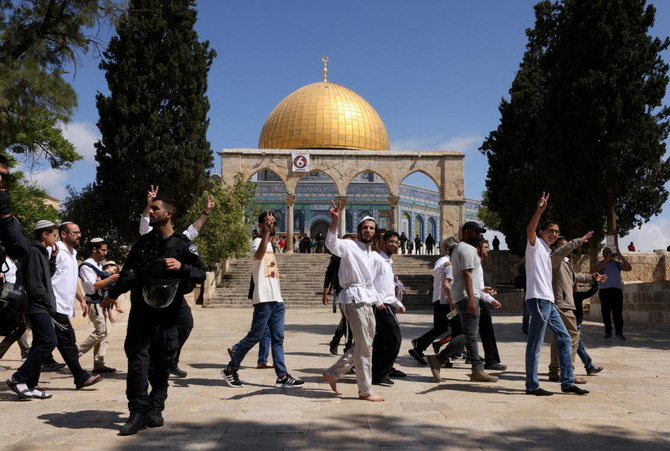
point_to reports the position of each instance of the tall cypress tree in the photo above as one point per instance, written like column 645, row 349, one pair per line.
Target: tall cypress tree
column 154, row 121
column 585, row 121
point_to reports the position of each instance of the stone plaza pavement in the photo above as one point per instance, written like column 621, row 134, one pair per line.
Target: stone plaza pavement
column 628, row 408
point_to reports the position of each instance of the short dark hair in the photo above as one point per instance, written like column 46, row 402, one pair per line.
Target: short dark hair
column 262, row 216
column 547, row 223
column 390, row 234
column 48, row 229
column 170, row 204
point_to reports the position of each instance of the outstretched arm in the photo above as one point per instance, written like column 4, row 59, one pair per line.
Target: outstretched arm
column 535, row 220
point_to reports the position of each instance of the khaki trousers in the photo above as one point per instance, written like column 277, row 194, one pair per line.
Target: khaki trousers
column 99, row 338
column 361, row 318
column 570, row 321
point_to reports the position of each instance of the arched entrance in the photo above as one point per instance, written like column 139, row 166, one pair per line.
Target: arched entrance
column 318, row 225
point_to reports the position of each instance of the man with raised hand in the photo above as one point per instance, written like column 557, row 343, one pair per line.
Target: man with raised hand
column 539, row 302
column 358, row 299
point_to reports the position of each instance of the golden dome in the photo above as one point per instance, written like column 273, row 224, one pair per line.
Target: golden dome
column 324, row 115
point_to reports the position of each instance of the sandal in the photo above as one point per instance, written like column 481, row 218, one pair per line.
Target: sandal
column 90, row 381
column 24, row 395
column 40, row 394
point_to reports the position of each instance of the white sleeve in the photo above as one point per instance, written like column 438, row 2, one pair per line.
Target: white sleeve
column 191, row 233
column 144, row 225
column 335, row 245
column 88, row 278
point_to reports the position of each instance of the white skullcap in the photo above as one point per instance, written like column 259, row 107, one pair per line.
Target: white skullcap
column 367, row 218
column 43, row 224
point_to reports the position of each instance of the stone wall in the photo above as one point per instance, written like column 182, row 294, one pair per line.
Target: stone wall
column 503, row 266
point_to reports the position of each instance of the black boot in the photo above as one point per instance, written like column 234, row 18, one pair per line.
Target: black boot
column 155, row 419
column 176, row 371
column 136, row 422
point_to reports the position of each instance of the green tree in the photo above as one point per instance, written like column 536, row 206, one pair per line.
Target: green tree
column 28, row 203
column 154, row 121
column 584, row 121
column 226, row 232
column 39, row 40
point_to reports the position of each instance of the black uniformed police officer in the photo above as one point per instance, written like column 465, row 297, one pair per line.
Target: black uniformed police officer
column 161, row 267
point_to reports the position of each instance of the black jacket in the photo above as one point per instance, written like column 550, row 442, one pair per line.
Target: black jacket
column 145, row 261
column 34, row 273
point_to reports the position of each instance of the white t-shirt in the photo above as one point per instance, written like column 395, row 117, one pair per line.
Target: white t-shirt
column 266, row 275
column 538, row 271
column 447, row 273
column 465, row 257
column 384, row 283
column 64, row 280
column 438, row 277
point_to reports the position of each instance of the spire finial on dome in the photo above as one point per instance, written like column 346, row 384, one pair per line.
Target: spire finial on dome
column 325, row 68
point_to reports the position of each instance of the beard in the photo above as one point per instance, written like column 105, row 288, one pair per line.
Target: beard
column 473, row 240
column 158, row 222
column 365, row 240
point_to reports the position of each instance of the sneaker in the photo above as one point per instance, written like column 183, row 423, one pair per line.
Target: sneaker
column 396, row 373
column 136, row 422
column 418, row 356
column 386, row 382
column 52, row 366
column 594, row 370
column 103, row 369
column 482, row 376
column 231, row 378
column 289, row 382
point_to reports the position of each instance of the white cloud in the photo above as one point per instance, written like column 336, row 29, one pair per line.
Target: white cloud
column 462, row 143
column 53, row 181
column 457, row 143
column 83, row 135
column 651, row 236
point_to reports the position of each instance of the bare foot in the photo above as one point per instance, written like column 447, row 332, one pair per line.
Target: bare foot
column 372, row 397
column 332, row 381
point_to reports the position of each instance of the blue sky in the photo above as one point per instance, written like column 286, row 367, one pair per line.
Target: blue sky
column 435, row 71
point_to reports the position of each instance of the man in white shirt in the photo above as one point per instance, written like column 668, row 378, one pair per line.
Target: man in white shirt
column 358, row 299
column 94, row 285
column 386, row 344
column 441, row 309
column 269, row 310
column 65, row 288
column 540, row 303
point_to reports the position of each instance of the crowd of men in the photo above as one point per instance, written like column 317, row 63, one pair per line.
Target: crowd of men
column 163, row 266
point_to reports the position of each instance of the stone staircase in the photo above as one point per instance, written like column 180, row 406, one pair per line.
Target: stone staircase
column 302, row 280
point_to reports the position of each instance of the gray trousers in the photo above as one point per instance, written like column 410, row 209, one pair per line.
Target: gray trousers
column 361, row 318
column 470, row 323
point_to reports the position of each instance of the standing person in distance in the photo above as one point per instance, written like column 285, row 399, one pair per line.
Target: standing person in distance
column 611, row 291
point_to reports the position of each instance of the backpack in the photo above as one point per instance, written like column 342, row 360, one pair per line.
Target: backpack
column 96, row 297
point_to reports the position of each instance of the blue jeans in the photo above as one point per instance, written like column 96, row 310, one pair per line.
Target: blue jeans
column 266, row 315
column 584, row 356
column 263, row 347
column 543, row 313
